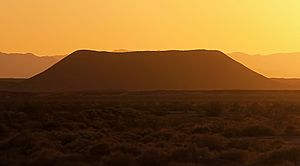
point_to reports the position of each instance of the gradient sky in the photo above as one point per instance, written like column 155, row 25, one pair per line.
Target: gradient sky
column 48, row 27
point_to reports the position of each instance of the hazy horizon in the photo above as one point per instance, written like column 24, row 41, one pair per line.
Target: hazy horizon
column 150, row 82
column 60, row 27
column 127, row 50
column 52, row 27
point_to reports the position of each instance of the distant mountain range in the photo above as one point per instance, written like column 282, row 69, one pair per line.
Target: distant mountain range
column 24, row 65
column 290, row 83
column 147, row 70
column 282, row 65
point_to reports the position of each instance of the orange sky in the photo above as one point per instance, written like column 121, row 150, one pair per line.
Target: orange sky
column 48, row 27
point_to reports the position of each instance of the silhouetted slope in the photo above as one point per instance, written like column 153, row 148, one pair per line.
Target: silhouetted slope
column 150, row 70
column 24, row 65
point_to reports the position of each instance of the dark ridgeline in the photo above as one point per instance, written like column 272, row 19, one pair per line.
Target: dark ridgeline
column 147, row 70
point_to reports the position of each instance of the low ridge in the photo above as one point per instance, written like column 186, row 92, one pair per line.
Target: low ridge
column 15, row 65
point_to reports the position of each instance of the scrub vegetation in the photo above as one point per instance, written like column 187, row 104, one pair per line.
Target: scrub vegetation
column 150, row 128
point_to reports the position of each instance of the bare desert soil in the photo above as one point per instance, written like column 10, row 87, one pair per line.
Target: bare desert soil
column 150, row 128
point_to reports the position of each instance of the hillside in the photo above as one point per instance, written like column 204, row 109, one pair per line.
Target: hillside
column 24, row 65
column 280, row 65
column 150, row 70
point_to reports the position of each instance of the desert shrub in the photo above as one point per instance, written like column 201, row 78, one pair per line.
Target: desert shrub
column 66, row 138
column 213, row 109
column 157, row 136
column 190, row 154
column 183, row 164
column 79, row 145
column 235, row 155
column 93, row 129
column 49, row 125
column 281, row 157
column 45, row 157
column 212, row 141
column 220, row 162
column 244, row 144
column 256, row 109
column 160, row 145
column 148, row 139
column 280, row 117
column 71, row 160
column 30, row 107
column 178, row 138
column 14, row 119
column 19, row 149
column 199, row 129
column 163, row 135
column 231, row 132
column 153, row 157
column 290, row 131
column 256, row 145
column 235, row 108
column 127, row 149
column 144, row 132
column 24, row 143
column 184, row 155
column 100, row 150
column 3, row 130
column 257, row 131
column 130, row 136
column 118, row 159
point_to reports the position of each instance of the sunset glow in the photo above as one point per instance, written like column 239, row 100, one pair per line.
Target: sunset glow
column 52, row 27
column 150, row 82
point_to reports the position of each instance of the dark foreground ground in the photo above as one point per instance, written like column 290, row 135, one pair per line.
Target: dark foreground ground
column 151, row 128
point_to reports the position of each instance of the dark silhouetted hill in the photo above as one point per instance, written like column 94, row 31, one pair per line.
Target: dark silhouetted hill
column 148, row 70
column 24, row 65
